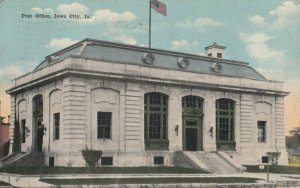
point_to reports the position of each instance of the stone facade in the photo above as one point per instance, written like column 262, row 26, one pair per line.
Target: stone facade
column 79, row 87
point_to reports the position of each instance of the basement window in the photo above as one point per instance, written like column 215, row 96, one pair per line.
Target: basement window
column 51, row 161
column 158, row 160
column 106, row 161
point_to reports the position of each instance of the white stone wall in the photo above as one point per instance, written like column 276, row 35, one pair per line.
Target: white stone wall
column 79, row 98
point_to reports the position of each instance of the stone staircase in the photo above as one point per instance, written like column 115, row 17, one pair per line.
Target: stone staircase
column 181, row 160
column 216, row 163
column 11, row 158
column 23, row 159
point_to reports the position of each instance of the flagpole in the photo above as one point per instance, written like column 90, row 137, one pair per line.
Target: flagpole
column 149, row 40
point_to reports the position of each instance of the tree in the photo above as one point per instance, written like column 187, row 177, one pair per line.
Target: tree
column 1, row 119
column 17, row 137
column 293, row 141
column 295, row 132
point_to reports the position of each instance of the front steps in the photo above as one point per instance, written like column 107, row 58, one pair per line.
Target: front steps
column 11, row 158
column 216, row 163
column 210, row 161
column 23, row 159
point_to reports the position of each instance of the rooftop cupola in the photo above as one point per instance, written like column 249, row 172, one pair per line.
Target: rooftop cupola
column 215, row 50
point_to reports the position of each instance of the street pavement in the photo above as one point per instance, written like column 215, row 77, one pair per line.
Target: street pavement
column 33, row 180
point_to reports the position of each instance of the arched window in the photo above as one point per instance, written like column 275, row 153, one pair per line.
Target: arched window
column 192, row 102
column 225, row 124
column 156, row 121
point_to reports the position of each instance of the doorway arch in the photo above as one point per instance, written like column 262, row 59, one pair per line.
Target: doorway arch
column 192, row 123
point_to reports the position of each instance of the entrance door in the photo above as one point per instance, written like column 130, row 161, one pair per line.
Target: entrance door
column 38, row 127
column 192, row 137
column 39, row 134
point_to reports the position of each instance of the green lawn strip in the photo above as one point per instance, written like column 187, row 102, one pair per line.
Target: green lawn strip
column 4, row 184
column 164, row 180
column 31, row 170
column 274, row 169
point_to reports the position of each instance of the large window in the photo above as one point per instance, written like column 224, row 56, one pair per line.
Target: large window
column 56, row 124
column 261, row 126
column 104, row 125
column 23, row 130
column 225, row 124
column 155, row 121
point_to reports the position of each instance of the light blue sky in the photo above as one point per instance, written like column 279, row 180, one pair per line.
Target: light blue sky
column 264, row 33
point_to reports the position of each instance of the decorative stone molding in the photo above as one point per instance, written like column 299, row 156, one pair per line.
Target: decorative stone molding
column 216, row 67
column 148, row 58
column 53, row 59
column 183, row 62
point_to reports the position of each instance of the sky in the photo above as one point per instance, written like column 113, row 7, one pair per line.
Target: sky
column 263, row 33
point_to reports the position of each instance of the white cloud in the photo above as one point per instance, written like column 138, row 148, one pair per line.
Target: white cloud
column 255, row 38
column 99, row 16
column 199, row 24
column 126, row 39
column 107, row 16
column 73, row 8
column 183, row 44
column 57, row 44
column 11, row 71
column 286, row 14
column 257, row 47
column 39, row 10
column 257, row 20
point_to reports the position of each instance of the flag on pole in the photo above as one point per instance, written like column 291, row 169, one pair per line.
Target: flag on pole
column 159, row 7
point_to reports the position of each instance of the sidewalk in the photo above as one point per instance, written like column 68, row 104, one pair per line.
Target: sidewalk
column 33, row 180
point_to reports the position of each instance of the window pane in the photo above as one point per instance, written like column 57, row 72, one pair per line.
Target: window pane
column 155, row 98
column 154, row 126
column 23, row 133
column 56, row 119
column 192, row 102
column 155, row 116
column 261, row 125
column 104, row 124
column 225, row 119
column 107, row 131
column 164, row 126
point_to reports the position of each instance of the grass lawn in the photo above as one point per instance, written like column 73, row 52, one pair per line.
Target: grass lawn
column 274, row 169
column 4, row 184
column 100, row 170
column 99, row 181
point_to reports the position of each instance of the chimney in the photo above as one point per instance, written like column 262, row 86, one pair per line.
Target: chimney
column 215, row 50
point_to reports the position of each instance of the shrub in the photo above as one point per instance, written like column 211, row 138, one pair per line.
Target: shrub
column 273, row 157
column 91, row 156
